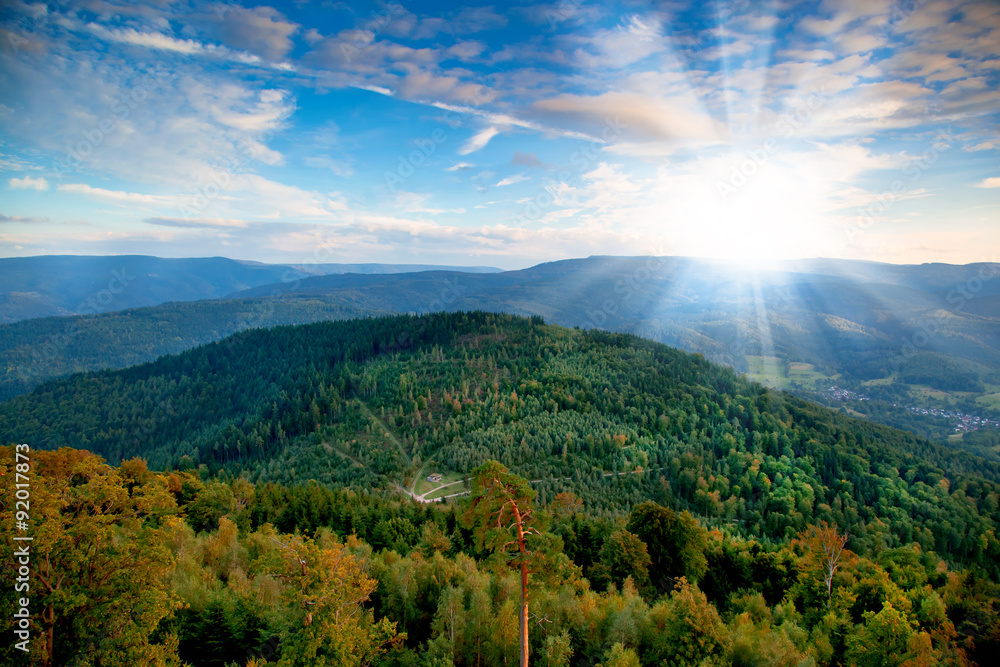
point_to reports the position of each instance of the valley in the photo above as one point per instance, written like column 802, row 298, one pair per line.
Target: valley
column 800, row 326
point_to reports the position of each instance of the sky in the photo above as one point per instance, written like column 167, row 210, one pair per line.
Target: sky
column 501, row 134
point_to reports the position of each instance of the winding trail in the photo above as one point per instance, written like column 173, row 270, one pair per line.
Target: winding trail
column 422, row 497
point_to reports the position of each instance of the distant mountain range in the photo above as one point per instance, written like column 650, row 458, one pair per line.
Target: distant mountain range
column 60, row 285
column 920, row 334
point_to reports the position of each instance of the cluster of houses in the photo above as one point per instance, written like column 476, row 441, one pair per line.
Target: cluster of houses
column 839, row 394
column 963, row 422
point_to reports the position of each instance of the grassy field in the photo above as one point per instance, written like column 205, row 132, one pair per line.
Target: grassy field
column 990, row 401
column 922, row 391
column 423, row 486
column 771, row 371
column 879, row 381
column 445, row 491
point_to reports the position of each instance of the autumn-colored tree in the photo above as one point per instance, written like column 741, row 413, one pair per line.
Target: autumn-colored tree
column 99, row 566
column 889, row 640
column 326, row 591
column 502, row 508
column 557, row 650
column 567, row 504
column 685, row 629
column 619, row 656
column 825, row 553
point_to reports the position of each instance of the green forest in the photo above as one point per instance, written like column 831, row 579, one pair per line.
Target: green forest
column 683, row 514
column 41, row 349
column 174, row 568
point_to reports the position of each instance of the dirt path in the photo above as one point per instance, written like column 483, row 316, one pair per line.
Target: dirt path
column 422, row 497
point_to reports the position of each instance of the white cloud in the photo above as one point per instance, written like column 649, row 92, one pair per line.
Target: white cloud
column 637, row 38
column 508, row 120
column 268, row 199
column 981, row 146
column 654, row 118
column 993, row 182
column 240, row 107
column 461, row 166
column 511, row 180
column 196, row 223
column 260, row 30
column 151, row 40
column 185, row 46
column 414, row 202
column 118, row 195
column 28, row 183
column 478, row 140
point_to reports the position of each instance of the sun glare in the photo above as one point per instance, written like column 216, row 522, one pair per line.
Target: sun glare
column 775, row 212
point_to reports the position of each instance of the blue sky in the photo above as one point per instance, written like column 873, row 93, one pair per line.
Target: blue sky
column 501, row 135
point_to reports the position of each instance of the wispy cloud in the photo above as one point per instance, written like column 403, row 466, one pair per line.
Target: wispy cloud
column 511, row 180
column 197, row 223
column 478, row 141
column 627, row 117
column 18, row 218
column 28, row 183
column 151, row 40
column 118, row 195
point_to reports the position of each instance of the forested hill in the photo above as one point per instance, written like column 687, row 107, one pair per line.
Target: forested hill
column 612, row 418
column 60, row 285
column 34, row 351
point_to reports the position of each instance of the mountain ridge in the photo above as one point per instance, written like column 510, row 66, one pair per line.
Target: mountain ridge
column 63, row 285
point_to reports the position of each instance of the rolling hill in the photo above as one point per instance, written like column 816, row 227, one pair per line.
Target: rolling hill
column 901, row 336
column 64, row 285
column 615, row 419
column 673, row 504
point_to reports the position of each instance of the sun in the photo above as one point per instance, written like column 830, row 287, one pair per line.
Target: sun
column 756, row 216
